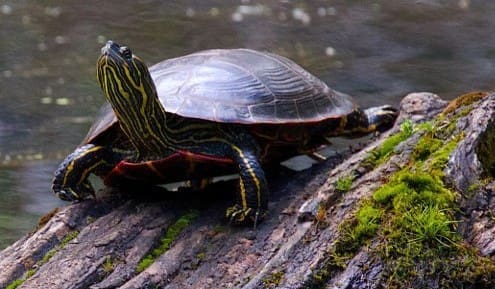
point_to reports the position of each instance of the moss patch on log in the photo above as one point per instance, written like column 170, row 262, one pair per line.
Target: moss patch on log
column 344, row 184
column 69, row 237
column 170, row 235
column 410, row 222
column 382, row 153
column 464, row 100
column 273, row 280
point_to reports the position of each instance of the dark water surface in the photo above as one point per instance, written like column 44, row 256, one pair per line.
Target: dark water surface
column 375, row 50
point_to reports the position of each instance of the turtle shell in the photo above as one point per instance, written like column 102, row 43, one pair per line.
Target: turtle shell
column 239, row 86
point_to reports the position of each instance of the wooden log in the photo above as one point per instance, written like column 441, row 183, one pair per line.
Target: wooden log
column 181, row 240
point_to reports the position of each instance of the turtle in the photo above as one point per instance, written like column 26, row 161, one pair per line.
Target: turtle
column 207, row 114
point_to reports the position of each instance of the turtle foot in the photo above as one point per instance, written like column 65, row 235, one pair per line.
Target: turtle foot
column 382, row 117
column 79, row 192
column 238, row 215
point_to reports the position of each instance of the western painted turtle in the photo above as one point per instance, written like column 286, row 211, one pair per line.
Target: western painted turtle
column 207, row 114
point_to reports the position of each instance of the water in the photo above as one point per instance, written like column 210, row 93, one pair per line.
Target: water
column 375, row 50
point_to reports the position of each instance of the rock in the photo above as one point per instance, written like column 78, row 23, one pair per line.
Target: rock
column 421, row 106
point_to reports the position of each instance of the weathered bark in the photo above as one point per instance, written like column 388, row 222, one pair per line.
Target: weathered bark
column 285, row 251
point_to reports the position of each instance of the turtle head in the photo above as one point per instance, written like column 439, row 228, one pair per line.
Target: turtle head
column 123, row 76
column 129, row 88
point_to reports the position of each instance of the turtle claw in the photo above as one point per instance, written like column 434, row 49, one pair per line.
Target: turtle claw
column 67, row 194
column 80, row 192
column 238, row 215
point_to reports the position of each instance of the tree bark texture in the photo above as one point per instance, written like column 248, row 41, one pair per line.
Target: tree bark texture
column 101, row 243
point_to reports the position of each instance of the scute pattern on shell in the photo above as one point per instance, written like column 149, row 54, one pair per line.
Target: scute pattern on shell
column 245, row 86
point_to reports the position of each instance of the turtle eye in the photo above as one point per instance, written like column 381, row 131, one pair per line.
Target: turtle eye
column 125, row 52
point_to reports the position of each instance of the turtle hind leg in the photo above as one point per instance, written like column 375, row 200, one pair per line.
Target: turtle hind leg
column 71, row 178
column 252, row 197
column 380, row 118
column 361, row 122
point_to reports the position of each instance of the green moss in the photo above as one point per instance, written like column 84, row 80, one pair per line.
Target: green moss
column 409, row 200
column 413, row 214
column 428, row 127
column 145, row 263
column 15, row 284
column 170, row 235
column 430, row 225
column 108, row 266
column 333, row 262
column 356, row 231
column 18, row 282
column 407, row 127
column 201, row 256
column 368, row 219
column 386, row 194
column 382, row 153
column 436, row 163
column 368, row 215
column 416, row 189
column 69, row 237
column 48, row 256
column 29, row 273
column 273, row 280
column 366, row 226
column 90, row 219
column 425, row 147
column 344, row 184
column 418, row 222
column 464, row 100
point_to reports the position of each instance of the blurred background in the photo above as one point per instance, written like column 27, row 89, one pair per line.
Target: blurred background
column 377, row 51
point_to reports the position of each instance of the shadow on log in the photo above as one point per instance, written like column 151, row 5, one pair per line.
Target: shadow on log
column 414, row 209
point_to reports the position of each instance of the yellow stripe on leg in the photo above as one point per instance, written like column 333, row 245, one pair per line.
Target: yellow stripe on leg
column 71, row 165
column 253, row 176
column 243, row 194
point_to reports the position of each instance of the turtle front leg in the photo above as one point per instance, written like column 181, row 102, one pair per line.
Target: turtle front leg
column 71, row 178
column 252, row 198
